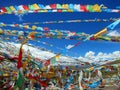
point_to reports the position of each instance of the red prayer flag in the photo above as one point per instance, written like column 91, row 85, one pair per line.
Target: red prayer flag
column 25, row 7
column 43, row 83
column 47, row 63
column 84, row 8
column 4, row 9
column 46, row 28
column 92, row 38
column 19, row 64
column 53, row 6
column 59, row 10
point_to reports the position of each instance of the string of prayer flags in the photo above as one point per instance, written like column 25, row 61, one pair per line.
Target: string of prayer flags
column 74, row 21
column 105, row 30
column 39, row 8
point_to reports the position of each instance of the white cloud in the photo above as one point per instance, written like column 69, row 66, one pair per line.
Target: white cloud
column 91, row 57
column 89, row 54
column 114, row 33
column 100, row 54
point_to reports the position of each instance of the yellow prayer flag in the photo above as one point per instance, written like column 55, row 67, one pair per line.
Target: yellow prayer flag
column 60, row 34
column 70, row 10
column 65, row 6
column 27, row 61
column 96, row 8
column 34, row 27
column 1, row 31
column 12, row 8
column 32, row 35
column 57, row 57
column 100, row 33
column 26, row 26
column 43, row 10
column 25, row 64
column 5, row 74
column 36, row 7
column 90, row 69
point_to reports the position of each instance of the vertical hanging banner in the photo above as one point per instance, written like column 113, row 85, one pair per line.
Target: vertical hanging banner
column 20, row 78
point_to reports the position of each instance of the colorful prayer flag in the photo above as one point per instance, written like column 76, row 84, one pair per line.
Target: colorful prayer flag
column 57, row 57
column 53, row 6
column 19, row 64
column 47, row 62
column 52, row 61
column 20, row 80
column 25, row 7
column 12, row 8
column 36, row 7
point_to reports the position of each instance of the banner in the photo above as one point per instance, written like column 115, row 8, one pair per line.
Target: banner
column 39, row 8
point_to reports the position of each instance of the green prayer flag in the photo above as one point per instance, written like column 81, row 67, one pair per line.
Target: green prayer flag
column 64, row 10
column 53, row 61
column 20, row 80
column 31, row 7
column 59, row 6
column 8, row 9
column 89, row 8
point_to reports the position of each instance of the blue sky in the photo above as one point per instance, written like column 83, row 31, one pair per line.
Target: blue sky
column 90, row 28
